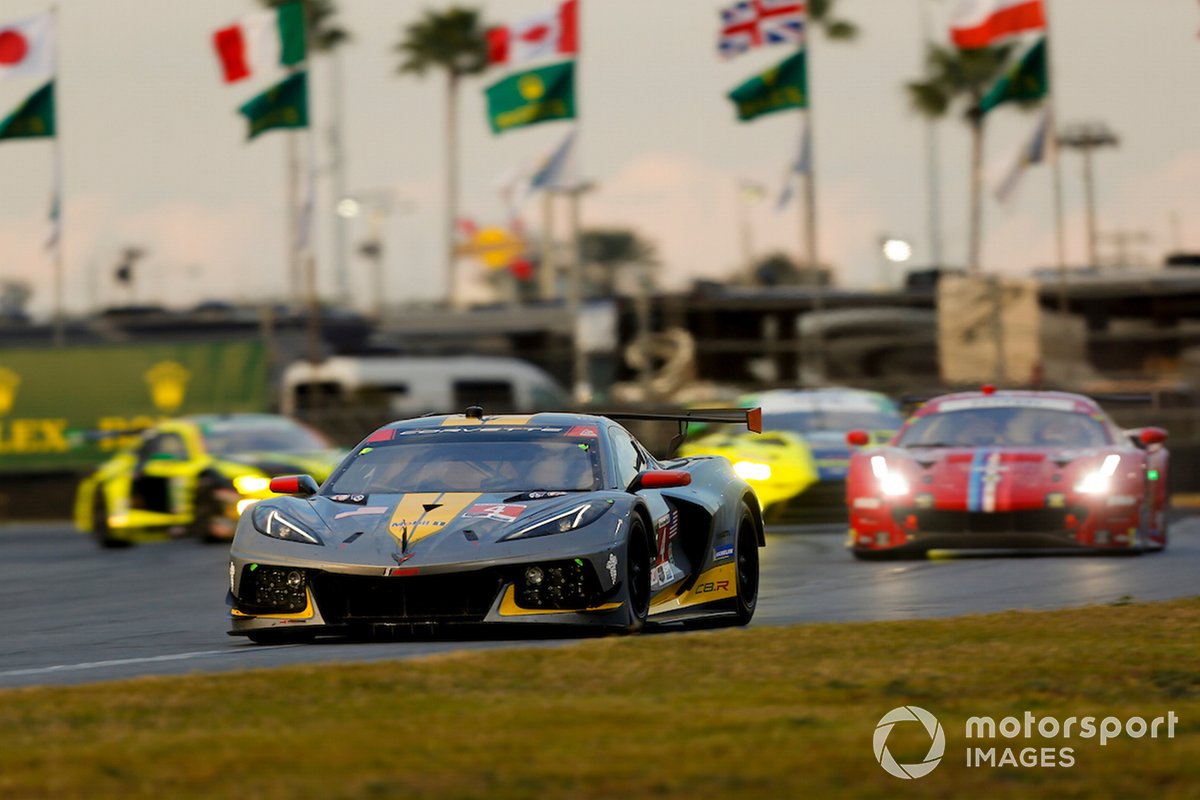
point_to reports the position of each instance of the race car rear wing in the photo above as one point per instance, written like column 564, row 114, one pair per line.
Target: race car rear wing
column 750, row 417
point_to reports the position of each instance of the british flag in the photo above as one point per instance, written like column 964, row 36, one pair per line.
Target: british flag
column 751, row 23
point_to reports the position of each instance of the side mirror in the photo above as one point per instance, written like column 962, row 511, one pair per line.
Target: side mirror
column 301, row 485
column 858, row 438
column 1149, row 436
column 661, row 479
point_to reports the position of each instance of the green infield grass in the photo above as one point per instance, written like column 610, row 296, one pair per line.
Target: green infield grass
column 768, row 712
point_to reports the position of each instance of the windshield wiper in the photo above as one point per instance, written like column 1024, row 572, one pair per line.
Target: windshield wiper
column 936, row 444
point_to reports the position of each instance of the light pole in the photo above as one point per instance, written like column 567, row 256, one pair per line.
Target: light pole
column 1086, row 137
column 375, row 205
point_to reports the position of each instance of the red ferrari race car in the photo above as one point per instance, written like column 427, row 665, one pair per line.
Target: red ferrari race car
column 1005, row 470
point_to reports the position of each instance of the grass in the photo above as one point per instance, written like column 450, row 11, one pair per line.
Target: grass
column 756, row 713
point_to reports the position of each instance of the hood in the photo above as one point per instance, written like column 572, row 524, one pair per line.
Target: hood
column 425, row 528
column 318, row 464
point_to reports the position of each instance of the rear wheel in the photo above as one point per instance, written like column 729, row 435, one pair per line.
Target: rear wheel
column 746, row 555
column 101, row 530
column 637, row 575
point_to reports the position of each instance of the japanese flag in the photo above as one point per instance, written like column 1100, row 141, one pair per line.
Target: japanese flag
column 27, row 48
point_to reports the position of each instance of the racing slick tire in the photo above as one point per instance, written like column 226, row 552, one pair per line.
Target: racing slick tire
column 637, row 575
column 205, row 507
column 746, row 571
column 745, row 555
column 100, row 526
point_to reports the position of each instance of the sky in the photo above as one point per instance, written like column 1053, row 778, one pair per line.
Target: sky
column 155, row 155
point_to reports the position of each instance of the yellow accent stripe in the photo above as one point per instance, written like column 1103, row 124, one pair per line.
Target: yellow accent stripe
column 509, row 420
column 718, row 583
column 307, row 613
column 460, row 420
column 410, row 513
column 509, row 607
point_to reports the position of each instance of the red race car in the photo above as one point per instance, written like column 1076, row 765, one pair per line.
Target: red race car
column 1008, row 470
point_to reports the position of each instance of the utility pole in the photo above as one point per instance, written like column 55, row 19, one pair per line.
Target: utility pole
column 1086, row 137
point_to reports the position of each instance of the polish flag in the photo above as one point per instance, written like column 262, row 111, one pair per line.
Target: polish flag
column 981, row 23
column 554, row 33
column 27, row 48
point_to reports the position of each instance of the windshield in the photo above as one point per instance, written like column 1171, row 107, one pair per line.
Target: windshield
column 1022, row 427
column 830, row 420
column 270, row 435
column 475, row 465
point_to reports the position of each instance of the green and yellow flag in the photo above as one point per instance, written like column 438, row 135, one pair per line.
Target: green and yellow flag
column 284, row 105
column 527, row 98
column 782, row 87
column 1025, row 81
column 33, row 118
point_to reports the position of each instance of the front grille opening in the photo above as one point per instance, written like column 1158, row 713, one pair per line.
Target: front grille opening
column 559, row 585
column 1032, row 520
column 272, row 590
column 462, row 597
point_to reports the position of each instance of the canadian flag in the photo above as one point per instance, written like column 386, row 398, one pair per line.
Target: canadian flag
column 981, row 23
column 27, row 47
column 553, row 33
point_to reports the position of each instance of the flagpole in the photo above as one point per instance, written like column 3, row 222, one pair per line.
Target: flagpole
column 931, row 158
column 809, row 223
column 1056, row 170
column 59, row 321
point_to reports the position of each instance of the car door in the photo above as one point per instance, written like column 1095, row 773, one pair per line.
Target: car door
column 163, row 478
column 629, row 458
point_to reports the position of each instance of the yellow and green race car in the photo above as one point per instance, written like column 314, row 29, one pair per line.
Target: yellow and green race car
column 195, row 475
column 798, row 465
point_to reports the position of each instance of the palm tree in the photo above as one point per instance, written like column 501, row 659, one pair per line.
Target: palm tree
column 962, row 78
column 821, row 12
column 453, row 40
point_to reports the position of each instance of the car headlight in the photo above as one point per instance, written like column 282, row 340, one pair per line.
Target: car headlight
column 752, row 470
column 1098, row 482
column 892, row 484
column 569, row 520
column 269, row 522
column 251, row 484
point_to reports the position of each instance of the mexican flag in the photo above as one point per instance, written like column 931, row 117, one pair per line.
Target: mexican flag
column 1025, row 81
column 256, row 43
column 284, row 105
column 33, row 118
column 527, row 98
column 782, row 87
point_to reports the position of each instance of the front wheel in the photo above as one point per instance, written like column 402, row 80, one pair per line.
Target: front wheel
column 637, row 576
column 101, row 530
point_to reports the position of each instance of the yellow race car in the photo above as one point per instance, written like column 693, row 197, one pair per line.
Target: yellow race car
column 195, row 475
column 798, row 465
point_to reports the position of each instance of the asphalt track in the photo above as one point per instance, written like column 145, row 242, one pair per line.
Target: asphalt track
column 72, row 613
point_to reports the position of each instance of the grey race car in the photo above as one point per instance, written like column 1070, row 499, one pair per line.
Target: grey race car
column 543, row 519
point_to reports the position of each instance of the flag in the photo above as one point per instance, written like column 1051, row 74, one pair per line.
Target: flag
column 284, row 105
column 755, row 22
column 1026, row 80
column 33, row 118
column 782, row 87
column 527, row 98
column 1032, row 152
column 982, row 23
column 547, row 35
column 27, row 47
column 257, row 42
column 556, row 168
column 799, row 167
